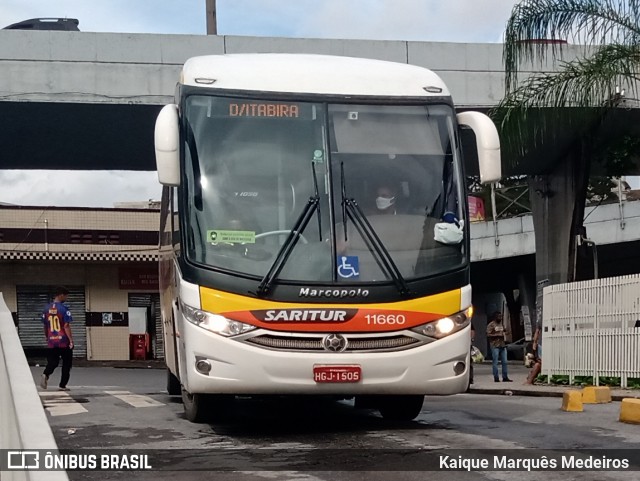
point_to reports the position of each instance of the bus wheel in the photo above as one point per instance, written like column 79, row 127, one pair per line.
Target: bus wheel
column 173, row 384
column 200, row 408
column 401, row 408
column 195, row 406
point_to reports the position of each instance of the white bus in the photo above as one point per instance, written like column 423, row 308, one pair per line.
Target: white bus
column 313, row 231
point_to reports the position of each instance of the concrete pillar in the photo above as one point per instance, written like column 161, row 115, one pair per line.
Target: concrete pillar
column 527, row 289
column 557, row 205
column 212, row 20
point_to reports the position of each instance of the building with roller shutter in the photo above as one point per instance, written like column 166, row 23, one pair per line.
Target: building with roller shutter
column 107, row 258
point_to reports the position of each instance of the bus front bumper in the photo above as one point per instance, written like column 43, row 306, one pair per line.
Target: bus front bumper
column 240, row 368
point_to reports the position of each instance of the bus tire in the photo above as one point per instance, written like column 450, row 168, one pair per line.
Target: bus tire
column 401, row 408
column 199, row 408
column 195, row 406
column 173, row 384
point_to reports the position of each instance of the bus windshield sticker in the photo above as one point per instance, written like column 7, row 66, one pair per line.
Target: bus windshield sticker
column 348, row 267
column 318, row 156
column 231, row 236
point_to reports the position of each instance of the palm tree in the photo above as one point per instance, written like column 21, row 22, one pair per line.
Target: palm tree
column 560, row 115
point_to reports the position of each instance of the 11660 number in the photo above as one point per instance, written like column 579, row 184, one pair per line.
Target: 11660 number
column 385, row 319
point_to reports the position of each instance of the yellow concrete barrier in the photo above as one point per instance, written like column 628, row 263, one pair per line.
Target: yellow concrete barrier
column 630, row 411
column 572, row 401
column 596, row 395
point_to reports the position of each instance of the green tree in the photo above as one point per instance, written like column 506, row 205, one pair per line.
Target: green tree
column 564, row 116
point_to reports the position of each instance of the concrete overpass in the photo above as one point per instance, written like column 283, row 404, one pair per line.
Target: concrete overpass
column 503, row 250
column 607, row 224
column 90, row 99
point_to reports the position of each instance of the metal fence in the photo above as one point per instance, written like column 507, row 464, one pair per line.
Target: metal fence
column 592, row 329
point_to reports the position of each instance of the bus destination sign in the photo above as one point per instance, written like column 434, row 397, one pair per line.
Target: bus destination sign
column 254, row 109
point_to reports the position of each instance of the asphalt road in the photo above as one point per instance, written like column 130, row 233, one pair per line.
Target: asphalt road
column 310, row 440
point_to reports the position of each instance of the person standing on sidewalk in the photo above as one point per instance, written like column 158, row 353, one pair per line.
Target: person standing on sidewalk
column 496, row 335
column 57, row 319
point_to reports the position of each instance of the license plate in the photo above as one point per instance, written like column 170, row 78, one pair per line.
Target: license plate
column 337, row 373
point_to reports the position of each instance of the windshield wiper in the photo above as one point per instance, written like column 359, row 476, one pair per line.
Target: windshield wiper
column 197, row 185
column 303, row 219
column 286, row 249
column 343, row 193
column 317, row 196
column 352, row 210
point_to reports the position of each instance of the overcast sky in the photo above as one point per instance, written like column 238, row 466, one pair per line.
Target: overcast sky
column 427, row 20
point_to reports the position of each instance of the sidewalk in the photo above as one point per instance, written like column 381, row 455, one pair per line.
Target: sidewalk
column 133, row 364
column 484, row 384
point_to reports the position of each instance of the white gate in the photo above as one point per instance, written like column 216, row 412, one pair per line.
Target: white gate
column 592, row 328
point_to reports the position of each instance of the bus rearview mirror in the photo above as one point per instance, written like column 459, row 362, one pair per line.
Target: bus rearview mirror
column 167, row 143
column 488, row 144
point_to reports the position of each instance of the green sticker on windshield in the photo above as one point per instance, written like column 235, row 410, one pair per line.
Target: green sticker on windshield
column 318, row 156
column 231, row 236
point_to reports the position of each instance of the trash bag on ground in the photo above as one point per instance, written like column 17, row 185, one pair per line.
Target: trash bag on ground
column 476, row 355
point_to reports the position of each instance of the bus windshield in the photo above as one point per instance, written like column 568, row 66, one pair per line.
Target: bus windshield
column 254, row 168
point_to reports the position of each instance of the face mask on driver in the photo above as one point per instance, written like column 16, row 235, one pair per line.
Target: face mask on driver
column 383, row 203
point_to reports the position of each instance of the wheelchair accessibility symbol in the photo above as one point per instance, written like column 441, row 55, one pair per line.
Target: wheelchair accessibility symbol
column 348, row 267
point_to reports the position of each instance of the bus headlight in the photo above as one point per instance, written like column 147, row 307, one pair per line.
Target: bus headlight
column 214, row 322
column 446, row 325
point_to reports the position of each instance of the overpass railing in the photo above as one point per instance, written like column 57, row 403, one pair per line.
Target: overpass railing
column 23, row 422
column 510, row 198
column 592, row 329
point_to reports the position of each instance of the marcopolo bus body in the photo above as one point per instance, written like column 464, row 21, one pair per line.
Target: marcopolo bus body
column 313, row 231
